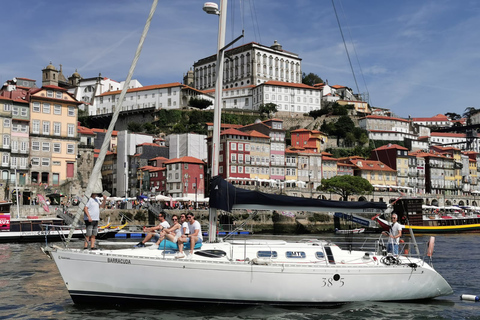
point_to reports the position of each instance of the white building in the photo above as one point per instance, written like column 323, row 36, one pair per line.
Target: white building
column 289, row 97
column 127, row 144
column 85, row 90
column 249, row 64
column 187, row 145
column 160, row 96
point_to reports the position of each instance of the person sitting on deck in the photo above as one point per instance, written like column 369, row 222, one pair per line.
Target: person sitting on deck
column 152, row 231
column 195, row 234
column 173, row 233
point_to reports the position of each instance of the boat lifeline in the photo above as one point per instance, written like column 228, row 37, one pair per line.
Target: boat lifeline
column 274, row 272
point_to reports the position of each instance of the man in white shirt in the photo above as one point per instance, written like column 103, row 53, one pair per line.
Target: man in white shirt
column 195, row 234
column 152, row 232
column 394, row 235
column 91, row 217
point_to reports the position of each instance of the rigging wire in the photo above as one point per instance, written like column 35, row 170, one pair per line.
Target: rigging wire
column 253, row 14
column 356, row 55
column 345, row 44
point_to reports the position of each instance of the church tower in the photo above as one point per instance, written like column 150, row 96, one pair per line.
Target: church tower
column 50, row 76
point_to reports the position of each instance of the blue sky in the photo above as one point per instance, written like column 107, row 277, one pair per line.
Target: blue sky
column 416, row 58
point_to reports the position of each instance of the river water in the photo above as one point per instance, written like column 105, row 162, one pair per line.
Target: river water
column 31, row 288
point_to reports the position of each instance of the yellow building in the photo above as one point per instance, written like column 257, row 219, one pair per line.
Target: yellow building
column 376, row 172
column 329, row 166
column 53, row 135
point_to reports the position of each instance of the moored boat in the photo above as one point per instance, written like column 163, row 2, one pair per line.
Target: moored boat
column 455, row 219
column 275, row 272
column 34, row 228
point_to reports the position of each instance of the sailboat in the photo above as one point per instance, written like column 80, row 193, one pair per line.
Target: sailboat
column 253, row 271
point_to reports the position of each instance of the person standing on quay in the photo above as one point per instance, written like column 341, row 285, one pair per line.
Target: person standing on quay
column 91, row 217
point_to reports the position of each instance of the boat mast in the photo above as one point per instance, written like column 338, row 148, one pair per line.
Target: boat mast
column 217, row 114
column 97, row 169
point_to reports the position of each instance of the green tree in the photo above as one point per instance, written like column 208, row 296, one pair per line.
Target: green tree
column 453, row 116
column 199, row 103
column 311, row 79
column 134, row 127
column 346, row 186
column 470, row 111
column 150, row 128
column 268, row 108
column 343, row 125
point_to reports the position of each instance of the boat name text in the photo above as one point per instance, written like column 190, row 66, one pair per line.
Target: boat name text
column 117, row 260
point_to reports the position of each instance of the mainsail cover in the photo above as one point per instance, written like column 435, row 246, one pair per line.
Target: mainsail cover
column 224, row 196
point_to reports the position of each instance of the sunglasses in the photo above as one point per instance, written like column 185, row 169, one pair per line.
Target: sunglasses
column 174, row 219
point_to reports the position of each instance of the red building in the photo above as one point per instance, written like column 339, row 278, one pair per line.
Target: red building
column 185, row 178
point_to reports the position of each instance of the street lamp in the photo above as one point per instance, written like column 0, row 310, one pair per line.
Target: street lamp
column 16, row 193
column 212, row 8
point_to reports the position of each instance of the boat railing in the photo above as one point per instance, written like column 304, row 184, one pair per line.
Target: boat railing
column 379, row 245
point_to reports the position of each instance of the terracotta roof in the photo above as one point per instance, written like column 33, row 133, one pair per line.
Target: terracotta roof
column 390, row 146
column 149, row 144
column 257, row 134
column 187, row 159
column 371, row 165
column 301, row 130
column 329, row 159
column 448, row 134
column 114, row 132
column 154, row 169
column 384, row 118
column 85, row 130
column 234, row 132
column 438, row 117
column 288, row 84
column 159, row 158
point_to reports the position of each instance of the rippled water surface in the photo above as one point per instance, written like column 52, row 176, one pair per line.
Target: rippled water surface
column 31, row 288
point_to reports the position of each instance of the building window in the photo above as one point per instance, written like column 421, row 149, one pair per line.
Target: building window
column 71, row 130
column 6, row 141
column 46, row 108
column 6, row 122
column 35, row 146
column 36, row 107
column 70, row 148
column 56, row 148
column 5, row 159
column 46, row 162
column 71, row 111
column 57, row 109
column 50, row 93
column 36, row 126
column 6, row 107
column 46, row 146
column 46, row 127
column 57, row 128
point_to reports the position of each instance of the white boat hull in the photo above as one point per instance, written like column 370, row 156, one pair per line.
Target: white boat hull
column 144, row 275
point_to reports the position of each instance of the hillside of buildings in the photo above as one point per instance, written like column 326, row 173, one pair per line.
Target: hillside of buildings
column 160, row 145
